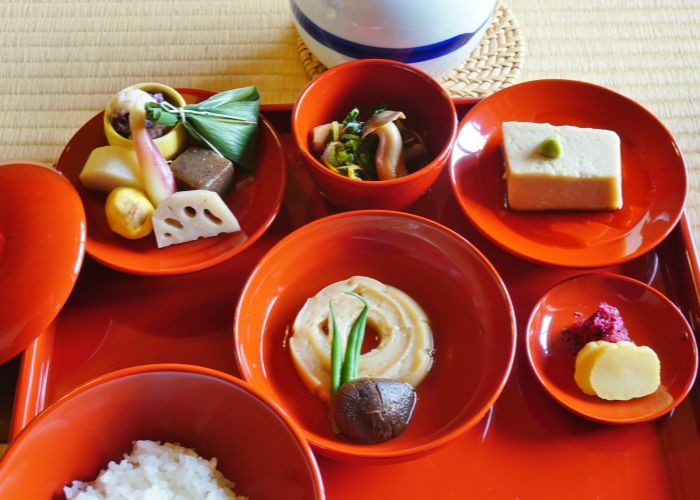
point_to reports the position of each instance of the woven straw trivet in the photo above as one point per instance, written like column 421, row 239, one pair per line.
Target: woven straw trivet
column 493, row 65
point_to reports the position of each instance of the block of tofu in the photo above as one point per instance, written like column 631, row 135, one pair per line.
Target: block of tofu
column 586, row 176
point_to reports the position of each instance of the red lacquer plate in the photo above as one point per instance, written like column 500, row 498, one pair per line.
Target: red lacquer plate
column 651, row 320
column 42, row 243
column 654, row 181
column 255, row 201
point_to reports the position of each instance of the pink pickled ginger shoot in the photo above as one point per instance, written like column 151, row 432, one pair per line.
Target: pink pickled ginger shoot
column 158, row 179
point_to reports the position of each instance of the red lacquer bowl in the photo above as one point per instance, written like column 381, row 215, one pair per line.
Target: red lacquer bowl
column 365, row 84
column 463, row 296
column 651, row 320
column 654, row 183
column 42, row 243
column 256, row 445
column 254, row 201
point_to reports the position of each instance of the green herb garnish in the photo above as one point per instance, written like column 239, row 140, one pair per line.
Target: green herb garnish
column 226, row 122
column 351, row 123
column 366, row 152
column 351, row 116
column 351, row 147
column 378, row 109
column 352, row 155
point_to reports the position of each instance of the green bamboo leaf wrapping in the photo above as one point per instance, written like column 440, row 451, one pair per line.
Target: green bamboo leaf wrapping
column 234, row 141
column 223, row 100
column 226, row 121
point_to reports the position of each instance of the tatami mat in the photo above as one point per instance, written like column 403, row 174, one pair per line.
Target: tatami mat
column 648, row 50
column 60, row 60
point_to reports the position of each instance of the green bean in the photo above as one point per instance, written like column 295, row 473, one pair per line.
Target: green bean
column 354, row 343
column 336, row 353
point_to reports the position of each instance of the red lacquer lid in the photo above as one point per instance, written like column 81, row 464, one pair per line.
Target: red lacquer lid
column 42, row 243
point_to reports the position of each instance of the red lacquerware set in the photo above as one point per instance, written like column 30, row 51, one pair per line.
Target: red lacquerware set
column 144, row 348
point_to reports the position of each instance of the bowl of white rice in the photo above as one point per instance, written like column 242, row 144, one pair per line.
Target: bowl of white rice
column 161, row 432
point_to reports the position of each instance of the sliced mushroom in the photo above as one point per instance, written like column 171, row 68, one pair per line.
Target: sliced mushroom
column 415, row 150
column 368, row 410
column 381, row 119
column 389, row 161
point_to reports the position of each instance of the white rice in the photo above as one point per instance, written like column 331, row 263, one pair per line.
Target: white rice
column 154, row 471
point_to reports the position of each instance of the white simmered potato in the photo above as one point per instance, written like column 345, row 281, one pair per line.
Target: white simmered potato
column 110, row 167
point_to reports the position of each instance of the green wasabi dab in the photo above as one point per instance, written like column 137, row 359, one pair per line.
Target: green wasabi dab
column 551, row 147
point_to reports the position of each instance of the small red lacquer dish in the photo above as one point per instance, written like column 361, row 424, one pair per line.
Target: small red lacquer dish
column 651, row 320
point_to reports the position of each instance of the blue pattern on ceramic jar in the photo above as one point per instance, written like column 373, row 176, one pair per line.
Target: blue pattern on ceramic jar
column 435, row 36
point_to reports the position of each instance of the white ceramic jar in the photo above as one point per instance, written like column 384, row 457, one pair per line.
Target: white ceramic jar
column 434, row 35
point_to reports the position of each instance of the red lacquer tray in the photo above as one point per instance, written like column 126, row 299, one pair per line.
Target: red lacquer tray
column 527, row 446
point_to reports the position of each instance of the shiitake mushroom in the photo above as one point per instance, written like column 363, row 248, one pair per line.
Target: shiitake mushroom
column 369, row 410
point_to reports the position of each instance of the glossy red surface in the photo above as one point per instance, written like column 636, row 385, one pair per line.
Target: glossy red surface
column 365, row 84
column 651, row 320
column 254, row 201
column 527, row 446
column 256, row 446
column 465, row 300
column 654, row 181
column 42, row 243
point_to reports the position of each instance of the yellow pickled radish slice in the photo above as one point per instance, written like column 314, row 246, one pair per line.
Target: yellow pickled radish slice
column 129, row 212
column 625, row 371
column 585, row 361
column 617, row 371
